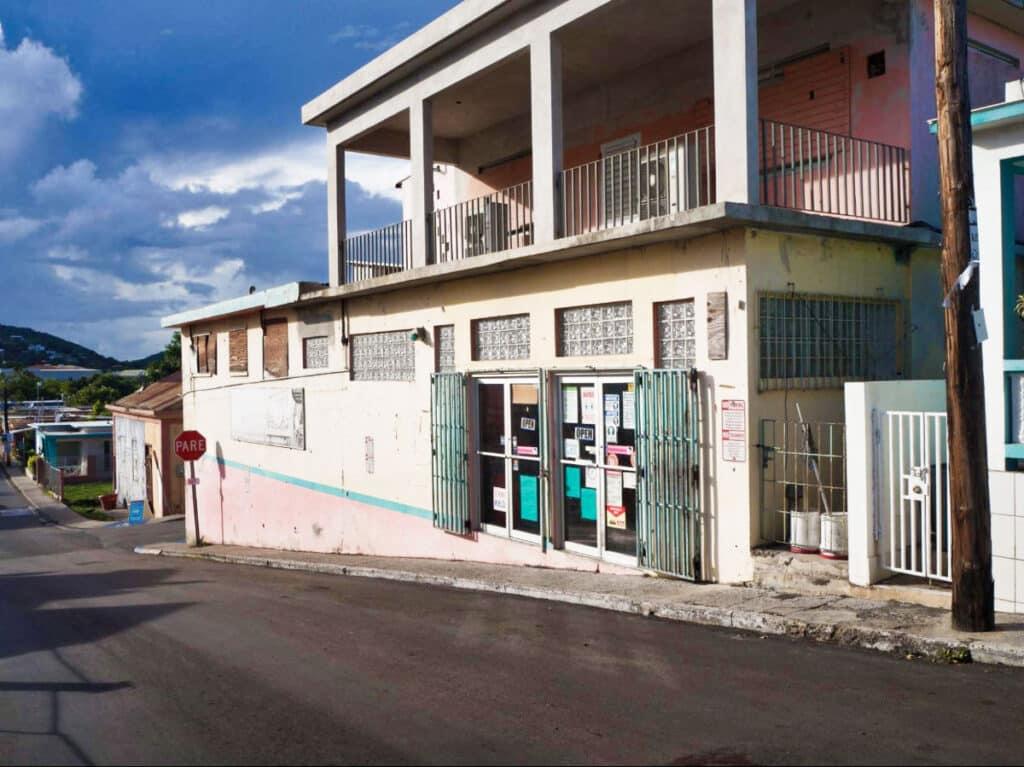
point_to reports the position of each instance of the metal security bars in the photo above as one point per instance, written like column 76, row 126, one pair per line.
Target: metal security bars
column 489, row 224
column 450, row 487
column 803, row 470
column 814, row 341
column 915, row 477
column 653, row 180
column 380, row 252
column 822, row 172
column 668, row 485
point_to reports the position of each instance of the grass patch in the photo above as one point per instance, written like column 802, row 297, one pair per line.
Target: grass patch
column 83, row 498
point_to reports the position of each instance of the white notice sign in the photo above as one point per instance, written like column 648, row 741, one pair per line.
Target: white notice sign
column 588, row 405
column 734, row 430
column 500, row 499
column 592, row 477
column 628, row 410
column 613, row 488
column 570, row 405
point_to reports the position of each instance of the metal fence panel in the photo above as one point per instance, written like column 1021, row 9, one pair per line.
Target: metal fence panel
column 916, row 516
column 803, row 469
column 450, row 488
column 668, row 485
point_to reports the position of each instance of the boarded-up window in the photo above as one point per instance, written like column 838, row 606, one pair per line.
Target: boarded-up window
column 275, row 348
column 238, row 350
column 314, row 352
column 206, row 354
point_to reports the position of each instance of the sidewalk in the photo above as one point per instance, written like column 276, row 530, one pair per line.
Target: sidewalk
column 45, row 505
column 892, row 627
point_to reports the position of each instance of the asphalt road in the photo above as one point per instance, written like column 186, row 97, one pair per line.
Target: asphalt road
column 111, row 657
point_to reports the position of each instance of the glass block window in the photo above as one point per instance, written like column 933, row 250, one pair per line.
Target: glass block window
column 812, row 341
column 383, row 357
column 676, row 343
column 444, row 348
column 314, row 352
column 502, row 338
column 593, row 330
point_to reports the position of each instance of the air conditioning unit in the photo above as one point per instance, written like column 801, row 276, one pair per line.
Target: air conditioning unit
column 487, row 229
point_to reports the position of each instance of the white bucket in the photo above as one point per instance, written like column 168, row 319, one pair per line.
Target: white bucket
column 833, row 536
column 804, row 531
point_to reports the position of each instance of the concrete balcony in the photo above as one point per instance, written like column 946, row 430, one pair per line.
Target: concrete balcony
column 799, row 168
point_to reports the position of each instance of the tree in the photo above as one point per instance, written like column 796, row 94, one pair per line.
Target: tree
column 169, row 363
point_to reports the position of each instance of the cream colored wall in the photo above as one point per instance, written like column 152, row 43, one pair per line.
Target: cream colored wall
column 805, row 264
column 340, row 413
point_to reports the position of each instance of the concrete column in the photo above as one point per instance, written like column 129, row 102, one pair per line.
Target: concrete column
column 546, row 118
column 336, row 229
column 421, row 156
column 734, row 31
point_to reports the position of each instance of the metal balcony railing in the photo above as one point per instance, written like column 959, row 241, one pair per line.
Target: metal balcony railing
column 649, row 181
column 822, row 172
column 499, row 221
column 379, row 252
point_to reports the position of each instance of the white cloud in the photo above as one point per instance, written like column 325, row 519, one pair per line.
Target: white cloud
column 67, row 253
column 35, row 83
column 17, row 227
column 172, row 281
column 203, row 217
column 278, row 172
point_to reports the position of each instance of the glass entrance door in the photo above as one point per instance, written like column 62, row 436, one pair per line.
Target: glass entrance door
column 597, row 457
column 508, row 456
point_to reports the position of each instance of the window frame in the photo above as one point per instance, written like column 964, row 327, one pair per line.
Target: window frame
column 277, row 321
column 354, row 373
column 203, row 353
column 305, row 356
column 659, row 361
column 559, row 312
column 474, row 329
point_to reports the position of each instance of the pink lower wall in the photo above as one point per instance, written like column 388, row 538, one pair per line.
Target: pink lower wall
column 243, row 508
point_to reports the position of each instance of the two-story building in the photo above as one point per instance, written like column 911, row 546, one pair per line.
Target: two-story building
column 679, row 222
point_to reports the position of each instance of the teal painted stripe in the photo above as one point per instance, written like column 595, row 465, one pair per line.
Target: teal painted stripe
column 338, row 492
column 1013, row 366
column 1015, row 451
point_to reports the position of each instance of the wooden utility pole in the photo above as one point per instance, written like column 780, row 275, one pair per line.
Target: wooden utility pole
column 965, row 387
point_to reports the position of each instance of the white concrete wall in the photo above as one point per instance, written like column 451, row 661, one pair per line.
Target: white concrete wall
column 991, row 146
column 867, row 478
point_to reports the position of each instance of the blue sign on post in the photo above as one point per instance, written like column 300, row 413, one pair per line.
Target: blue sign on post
column 135, row 512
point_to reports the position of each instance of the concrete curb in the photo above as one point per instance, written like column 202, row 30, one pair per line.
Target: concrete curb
column 893, row 642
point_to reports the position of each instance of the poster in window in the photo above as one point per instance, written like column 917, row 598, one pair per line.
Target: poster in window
column 613, row 488
column 628, row 410
column 500, row 499
column 588, row 405
column 629, row 480
column 528, row 498
column 593, row 476
column 572, row 481
column 616, row 517
column 572, row 449
column 570, row 404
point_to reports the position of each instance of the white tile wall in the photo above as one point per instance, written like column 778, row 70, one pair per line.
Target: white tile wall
column 1001, row 492
column 1006, row 492
column 1003, row 544
column 1004, row 576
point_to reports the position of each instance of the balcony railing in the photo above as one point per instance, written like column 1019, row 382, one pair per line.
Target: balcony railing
column 648, row 181
column 499, row 221
column 800, row 168
column 822, row 172
column 383, row 251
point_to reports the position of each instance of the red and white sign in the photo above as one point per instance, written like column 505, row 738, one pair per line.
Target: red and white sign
column 734, row 430
column 190, row 445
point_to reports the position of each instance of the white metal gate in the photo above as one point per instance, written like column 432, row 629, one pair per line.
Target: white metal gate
column 914, row 486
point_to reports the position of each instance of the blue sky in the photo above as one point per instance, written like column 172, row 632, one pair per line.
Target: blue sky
column 152, row 157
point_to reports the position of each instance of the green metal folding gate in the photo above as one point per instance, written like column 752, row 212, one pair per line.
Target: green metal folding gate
column 668, row 486
column 448, row 446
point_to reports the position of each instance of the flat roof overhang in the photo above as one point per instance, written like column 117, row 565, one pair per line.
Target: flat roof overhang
column 686, row 225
